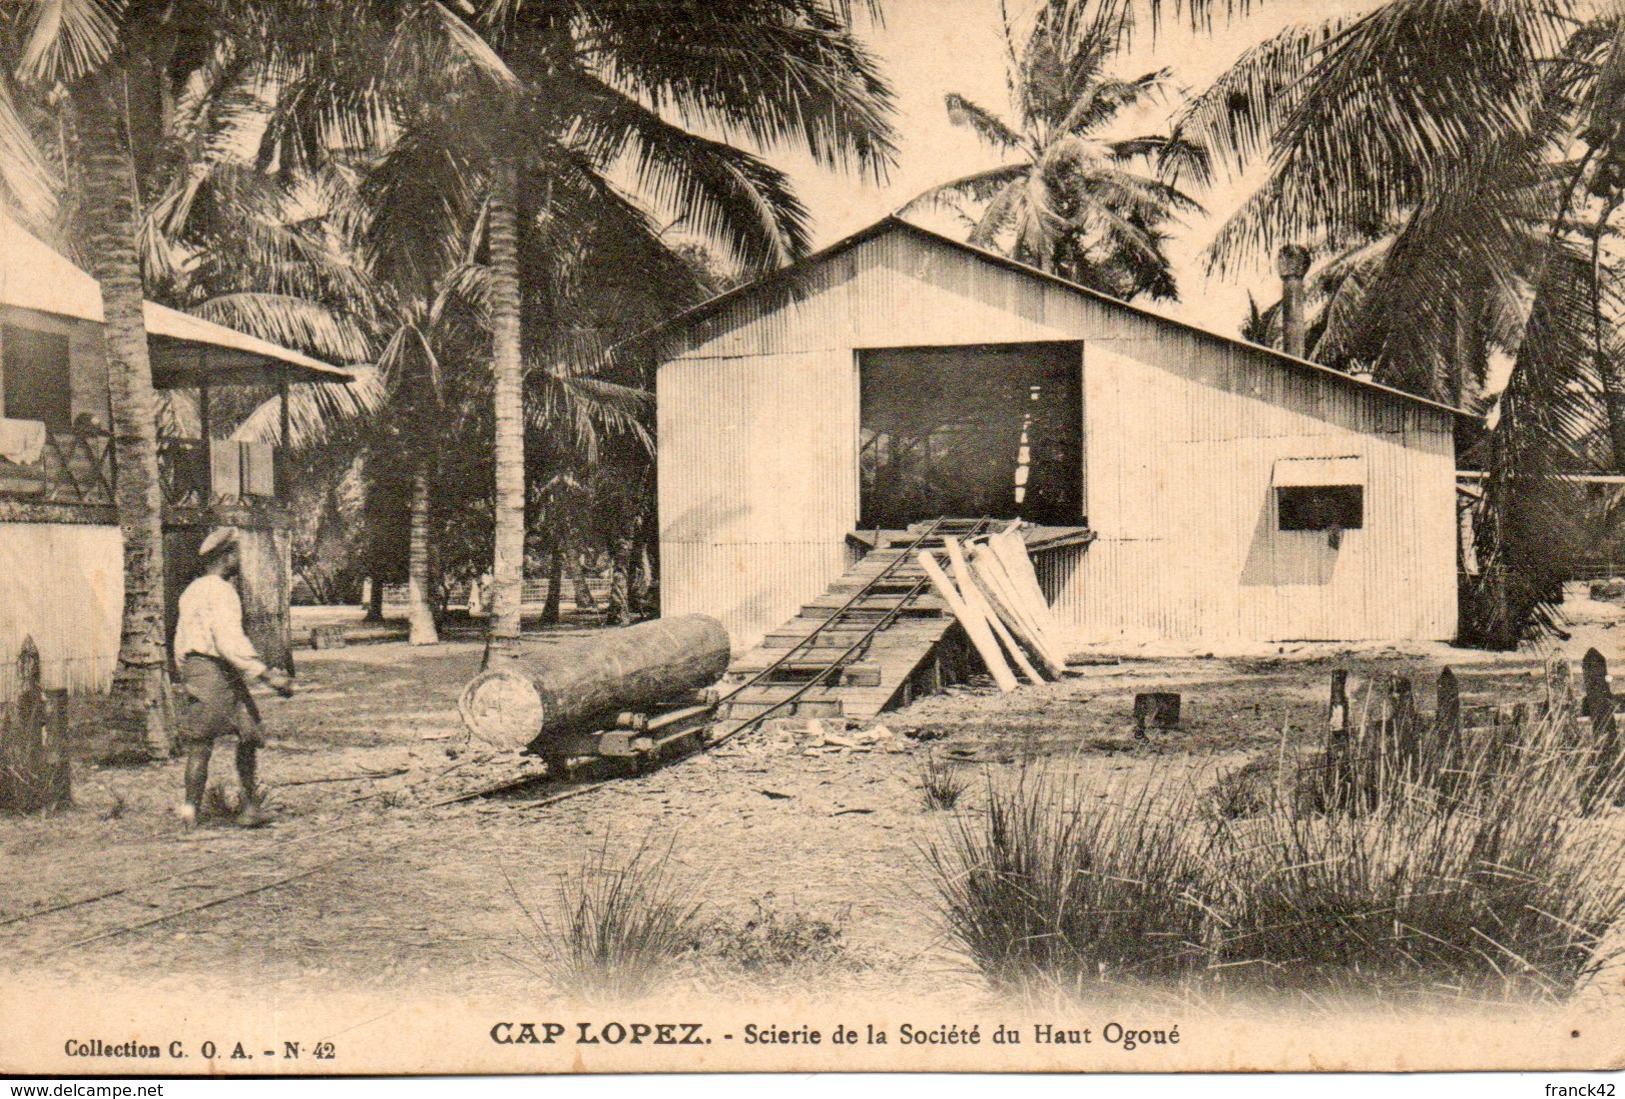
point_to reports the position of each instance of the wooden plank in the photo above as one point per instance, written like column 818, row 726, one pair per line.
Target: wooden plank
column 998, row 561
column 1012, row 553
column 994, row 579
column 973, row 595
column 976, row 626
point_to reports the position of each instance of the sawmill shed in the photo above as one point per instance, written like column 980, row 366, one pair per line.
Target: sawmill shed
column 1180, row 485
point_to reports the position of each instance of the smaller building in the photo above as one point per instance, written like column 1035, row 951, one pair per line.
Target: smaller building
column 1192, row 487
column 61, row 552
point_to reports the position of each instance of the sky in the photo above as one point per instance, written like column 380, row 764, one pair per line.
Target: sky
column 928, row 48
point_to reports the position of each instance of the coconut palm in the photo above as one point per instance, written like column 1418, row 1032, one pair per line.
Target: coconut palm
column 1069, row 199
column 1460, row 161
column 591, row 93
column 109, row 73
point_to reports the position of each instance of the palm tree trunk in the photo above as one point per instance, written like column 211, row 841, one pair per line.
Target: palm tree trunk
column 508, row 380
column 555, row 586
column 420, row 615
column 111, row 221
column 375, row 598
column 618, row 608
column 578, row 571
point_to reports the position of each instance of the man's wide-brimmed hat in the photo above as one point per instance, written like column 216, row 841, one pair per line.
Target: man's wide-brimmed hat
column 220, row 538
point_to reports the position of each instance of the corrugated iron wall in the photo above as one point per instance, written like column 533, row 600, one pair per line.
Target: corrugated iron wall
column 758, row 484
column 63, row 585
column 1184, row 436
column 758, row 426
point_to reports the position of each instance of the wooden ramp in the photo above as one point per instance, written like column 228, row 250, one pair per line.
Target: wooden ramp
column 871, row 642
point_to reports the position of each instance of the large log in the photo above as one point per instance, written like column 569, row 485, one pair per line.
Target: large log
column 558, row 688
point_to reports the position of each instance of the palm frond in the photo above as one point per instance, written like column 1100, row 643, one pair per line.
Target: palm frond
column 1065, row 53
column 26, row 177
column 987, row 125
column 587, row 409
column 1237, row 117
column 1000, row 213
column 314, row 411
column 980, row 186
column 737, row 200
column 1524, row 525
column 67, row 39
column 1396, row 107
column 775, row 72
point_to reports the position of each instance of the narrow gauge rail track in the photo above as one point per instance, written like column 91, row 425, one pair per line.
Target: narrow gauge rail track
column 302, row 856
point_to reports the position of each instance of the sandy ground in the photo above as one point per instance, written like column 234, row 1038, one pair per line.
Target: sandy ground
column 366, row 882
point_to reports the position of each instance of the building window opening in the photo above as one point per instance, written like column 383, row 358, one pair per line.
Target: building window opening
column 34, row 379
column 1320, row 507
column 987, row 430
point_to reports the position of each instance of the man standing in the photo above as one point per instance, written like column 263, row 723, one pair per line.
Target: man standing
column 217, row 662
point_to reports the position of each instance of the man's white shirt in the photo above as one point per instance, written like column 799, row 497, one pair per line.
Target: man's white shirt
column 211, row 623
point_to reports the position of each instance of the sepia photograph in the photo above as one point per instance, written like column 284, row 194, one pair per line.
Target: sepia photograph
column 782, row 536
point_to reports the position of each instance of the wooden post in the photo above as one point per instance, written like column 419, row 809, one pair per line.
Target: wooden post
column 280, row 455
column 1446, row 719
column 1155, row 710
column 1603, row 740
column 204, row 471
column 1337, row 740
column 34, row 761
column 1559, row 685
column 1599, row 698
column 56, row 770
column 1401, row 726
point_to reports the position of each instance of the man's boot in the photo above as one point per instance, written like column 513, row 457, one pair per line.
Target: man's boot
column 253, row 814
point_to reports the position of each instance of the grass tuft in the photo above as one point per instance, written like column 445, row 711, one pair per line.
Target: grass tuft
column 772, row 940
column 621, row 923
column 1057, row 885
column 942, row 785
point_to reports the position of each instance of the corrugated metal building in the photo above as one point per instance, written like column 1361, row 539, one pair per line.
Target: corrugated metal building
column 1233, row 492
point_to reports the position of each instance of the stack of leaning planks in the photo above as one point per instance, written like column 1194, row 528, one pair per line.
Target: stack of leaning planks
column 990, row 586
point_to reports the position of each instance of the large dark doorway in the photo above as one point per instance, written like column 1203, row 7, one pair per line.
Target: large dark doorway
column 988, row 430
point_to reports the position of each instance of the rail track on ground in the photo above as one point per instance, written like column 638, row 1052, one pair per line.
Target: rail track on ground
column 264, row 864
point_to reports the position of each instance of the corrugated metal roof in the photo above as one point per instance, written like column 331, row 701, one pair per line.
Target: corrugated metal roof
column 788, row 276
column 35, row 276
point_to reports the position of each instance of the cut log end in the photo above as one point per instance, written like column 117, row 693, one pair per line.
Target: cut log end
column 502, row 708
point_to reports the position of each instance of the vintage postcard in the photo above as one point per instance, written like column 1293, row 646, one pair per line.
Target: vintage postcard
column 620, row 536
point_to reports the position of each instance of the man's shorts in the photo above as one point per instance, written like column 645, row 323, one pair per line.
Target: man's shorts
column 215, row 702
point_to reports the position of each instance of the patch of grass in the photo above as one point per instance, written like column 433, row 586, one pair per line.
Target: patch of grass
column 1056, row 886
column 1477, row 869
column 771, row 940
column 1480, row 870
column 621, row 923
column 942, row 785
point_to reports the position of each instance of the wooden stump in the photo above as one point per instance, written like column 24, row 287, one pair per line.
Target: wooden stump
column 1603, row 736
column 1338, row 780
column 35, row 764
column 1155, row 710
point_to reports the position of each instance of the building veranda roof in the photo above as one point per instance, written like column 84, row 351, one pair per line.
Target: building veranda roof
column 186, row 350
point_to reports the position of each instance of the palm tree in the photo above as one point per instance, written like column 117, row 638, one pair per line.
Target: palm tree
column 109, row 73
column 1071, row 202
column 98, row 58
column 587, row 93
column 1460, row 161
